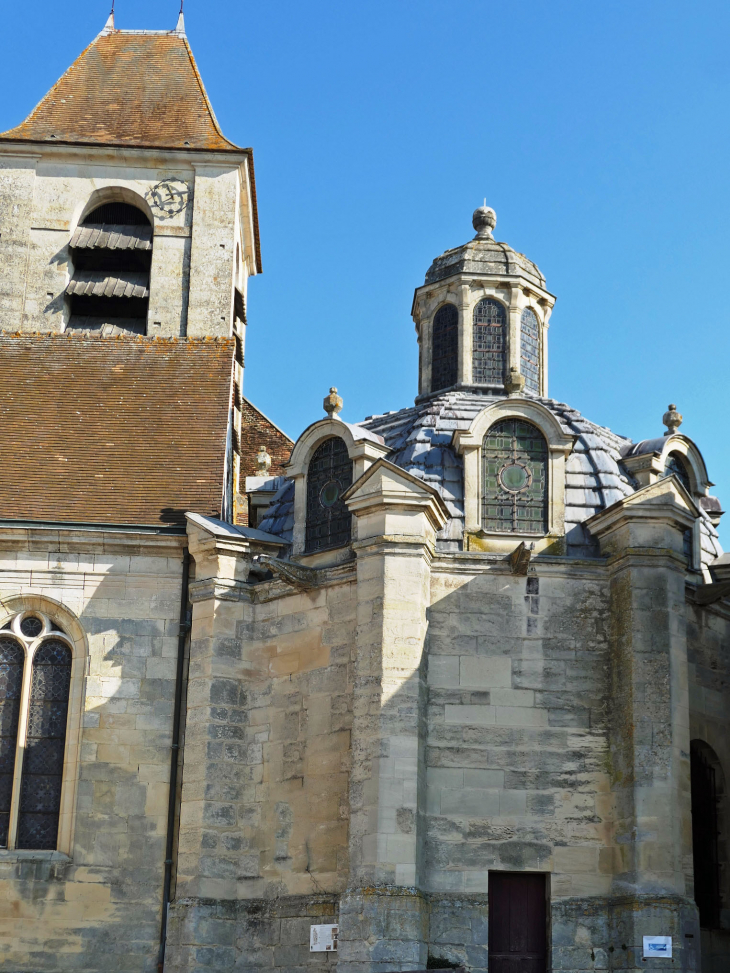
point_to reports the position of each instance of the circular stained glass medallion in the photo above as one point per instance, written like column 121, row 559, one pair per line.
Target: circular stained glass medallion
column 330, row 493
column 514, row 478
column 31, row 627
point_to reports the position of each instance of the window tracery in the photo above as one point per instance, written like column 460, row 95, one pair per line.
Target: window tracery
column 444, row 368
column 530, row 349
column 488, row 343
column 33, row 716
column 514, row 478
column 329, row 522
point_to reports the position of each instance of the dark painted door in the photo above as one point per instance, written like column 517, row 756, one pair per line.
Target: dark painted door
column 517, row 923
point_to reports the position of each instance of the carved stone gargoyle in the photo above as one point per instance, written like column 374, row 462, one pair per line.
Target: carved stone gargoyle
column 519, row 559
column 294, row 574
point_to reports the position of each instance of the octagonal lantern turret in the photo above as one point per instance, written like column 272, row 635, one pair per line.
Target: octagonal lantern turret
column 482, row 318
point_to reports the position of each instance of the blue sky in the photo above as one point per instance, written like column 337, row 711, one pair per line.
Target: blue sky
column 598, row 132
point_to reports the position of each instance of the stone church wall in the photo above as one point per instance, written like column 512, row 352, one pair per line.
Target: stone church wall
column 95, row 905
column 267, row 754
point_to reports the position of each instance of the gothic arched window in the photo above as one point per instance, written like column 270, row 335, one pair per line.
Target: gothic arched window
column 530, row 349
column 329, row 522
column 706, row 795
column 12, row 659
column 109, row 289
column 33, row 716
column 488, row 343
column 514, row 478
column 445, row 360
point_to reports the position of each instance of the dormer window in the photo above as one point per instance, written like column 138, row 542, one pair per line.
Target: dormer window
column 329, row 522
column 488, row 347
column 530, row 349
column 675, row 464
column 110, row 286
column 514, row 478
column 444, row 367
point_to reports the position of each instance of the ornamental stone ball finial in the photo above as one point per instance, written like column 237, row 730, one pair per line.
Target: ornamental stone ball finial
column 672, row 420
column 484, row 221
column 332, row 403
column 263, row 461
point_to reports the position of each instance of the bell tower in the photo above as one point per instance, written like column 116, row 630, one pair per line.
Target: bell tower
column 482, row 318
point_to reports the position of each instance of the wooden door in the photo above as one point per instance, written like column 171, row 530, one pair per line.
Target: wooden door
column 517, row 923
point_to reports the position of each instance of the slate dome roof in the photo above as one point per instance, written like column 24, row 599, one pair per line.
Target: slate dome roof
column 420, row 438
column 484, row 255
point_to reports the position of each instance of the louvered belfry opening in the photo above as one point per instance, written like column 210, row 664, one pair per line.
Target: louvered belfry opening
column 109, row 290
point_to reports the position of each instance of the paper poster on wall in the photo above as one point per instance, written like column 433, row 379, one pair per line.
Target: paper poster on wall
column 657, row 946
column 322, row 939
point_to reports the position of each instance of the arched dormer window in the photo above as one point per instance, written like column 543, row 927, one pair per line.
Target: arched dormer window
column 111, row 252
column 675, row 464
column 515, row 478
column 33, row 716
column 488, row 343
column 445, row 360
column 329, row 522
column 530, row 349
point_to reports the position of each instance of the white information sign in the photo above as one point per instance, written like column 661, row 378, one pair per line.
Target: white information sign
column 657, row 946
column 322, row 939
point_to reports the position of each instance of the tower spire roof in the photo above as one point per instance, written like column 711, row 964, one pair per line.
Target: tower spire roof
column 136, row 88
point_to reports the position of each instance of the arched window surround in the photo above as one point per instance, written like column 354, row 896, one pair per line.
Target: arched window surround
column 74, row 636
column 469, row 444
column 73, row 313
column 363, row 448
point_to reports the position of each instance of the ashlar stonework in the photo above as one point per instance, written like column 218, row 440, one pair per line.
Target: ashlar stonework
column 453, row 679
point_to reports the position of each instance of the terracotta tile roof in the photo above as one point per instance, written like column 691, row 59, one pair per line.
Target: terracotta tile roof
column 113, row 430
column 131, row 89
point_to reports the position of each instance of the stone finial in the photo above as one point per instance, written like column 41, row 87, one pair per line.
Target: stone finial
column 263, row 461
column 515, row 382
column 672, row 420
column 332, row 403
column 484, row 221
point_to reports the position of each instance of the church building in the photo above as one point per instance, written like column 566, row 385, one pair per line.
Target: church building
column 446, row 687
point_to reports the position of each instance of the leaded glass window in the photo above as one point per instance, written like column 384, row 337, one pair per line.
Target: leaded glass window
column 445, row 361
column 675, row 464
column 40, row 795
column 329, row 522
column 514, row 478
column 488, row 343
column 33, row 717
column 530, row 349
column 12, row 659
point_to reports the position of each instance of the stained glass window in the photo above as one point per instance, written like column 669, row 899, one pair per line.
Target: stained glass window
column 329, row 522
column 488, row 344
column 675, row 464
column 40, row 792
column 444, row 369
column 514, row 478
column 530, row 349
column 12, row 658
